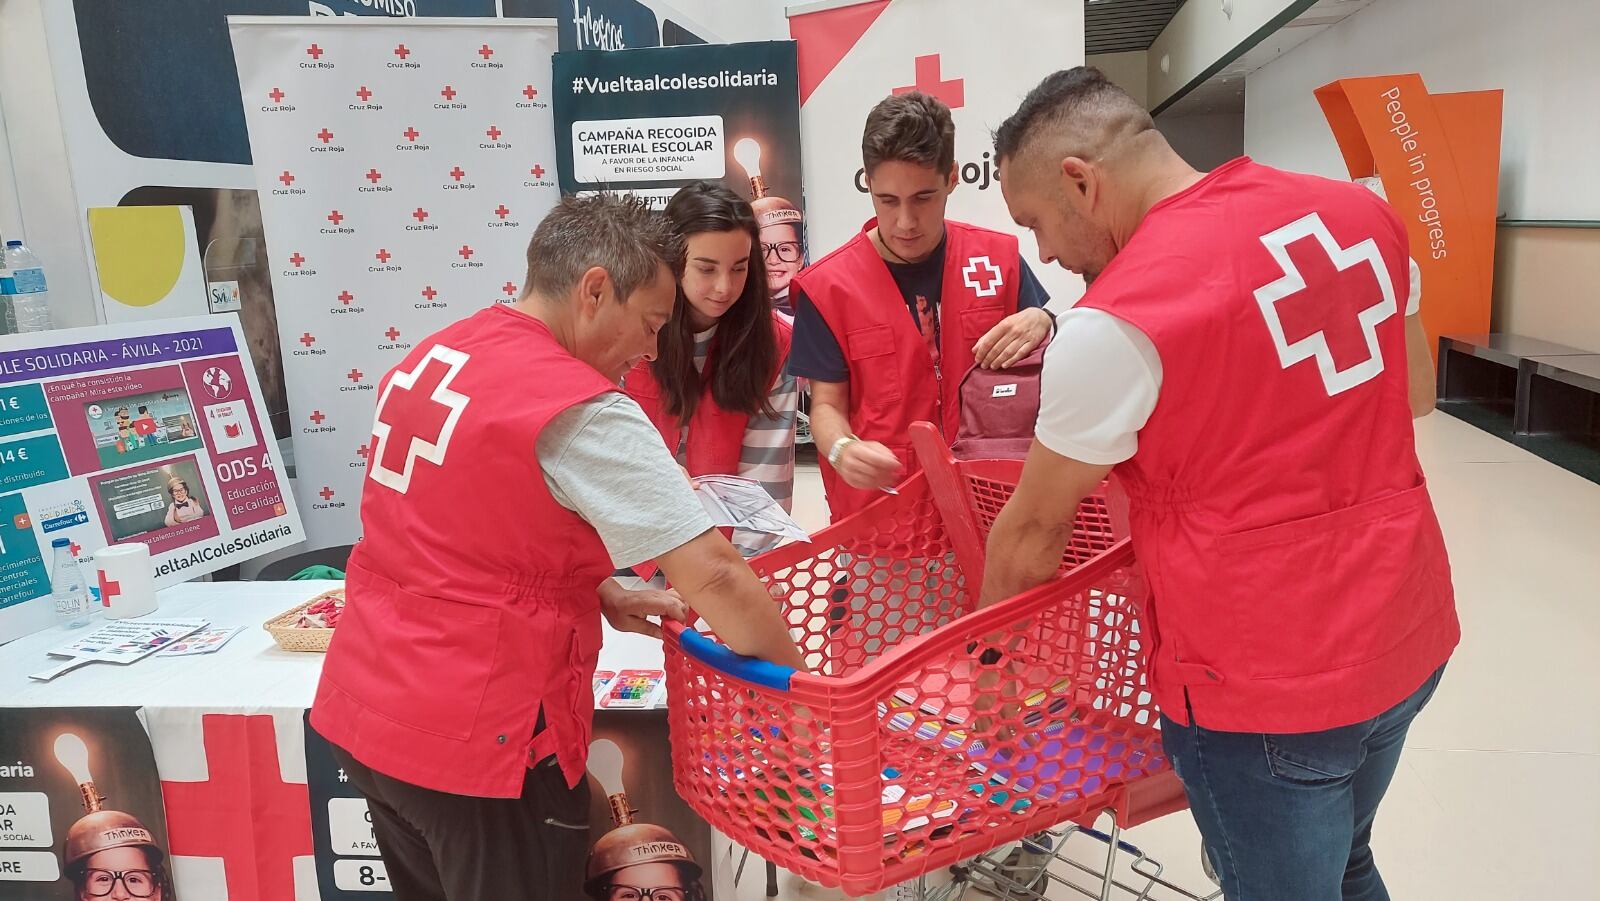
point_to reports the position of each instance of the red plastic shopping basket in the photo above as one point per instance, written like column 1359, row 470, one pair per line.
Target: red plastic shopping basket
column 908, row 748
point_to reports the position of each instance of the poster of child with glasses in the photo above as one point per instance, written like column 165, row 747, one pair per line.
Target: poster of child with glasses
column 81, row 814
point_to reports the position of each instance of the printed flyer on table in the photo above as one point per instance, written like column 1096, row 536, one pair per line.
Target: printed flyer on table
column 149, row 433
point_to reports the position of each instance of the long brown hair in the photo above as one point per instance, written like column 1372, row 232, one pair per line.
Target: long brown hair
column 746, row 350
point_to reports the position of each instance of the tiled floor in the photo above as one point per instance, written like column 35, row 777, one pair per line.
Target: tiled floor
column 1498, row 795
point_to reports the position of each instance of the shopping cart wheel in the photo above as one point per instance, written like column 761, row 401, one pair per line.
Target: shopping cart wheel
column 1205, row 864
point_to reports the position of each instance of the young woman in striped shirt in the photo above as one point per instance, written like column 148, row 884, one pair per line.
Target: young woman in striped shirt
column 718, row 389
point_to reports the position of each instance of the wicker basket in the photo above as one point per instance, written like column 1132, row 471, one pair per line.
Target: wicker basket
column 290, row 637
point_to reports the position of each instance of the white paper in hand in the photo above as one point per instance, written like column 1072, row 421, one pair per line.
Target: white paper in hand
column 743, row 504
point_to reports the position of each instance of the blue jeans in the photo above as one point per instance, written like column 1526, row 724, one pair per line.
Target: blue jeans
column 1289, row 817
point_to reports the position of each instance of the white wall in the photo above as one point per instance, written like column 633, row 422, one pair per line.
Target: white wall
column 1204, row 141
column 1126, row 70
column 1200, row 34
column 1541, row 52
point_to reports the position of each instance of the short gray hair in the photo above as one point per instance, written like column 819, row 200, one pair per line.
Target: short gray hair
column 618, row 233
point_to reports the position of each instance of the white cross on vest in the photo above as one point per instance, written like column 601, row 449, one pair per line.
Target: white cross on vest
column 1315, row 345
column 416, row 416
column 986, row 285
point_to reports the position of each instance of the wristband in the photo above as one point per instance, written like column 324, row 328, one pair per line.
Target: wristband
column 837, row 451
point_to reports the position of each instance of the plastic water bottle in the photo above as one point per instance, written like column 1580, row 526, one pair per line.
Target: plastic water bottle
column 24, row 289
column 67, row 588
column 7, row 326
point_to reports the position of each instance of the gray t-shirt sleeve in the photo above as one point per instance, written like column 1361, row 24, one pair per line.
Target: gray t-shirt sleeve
column 603, row 460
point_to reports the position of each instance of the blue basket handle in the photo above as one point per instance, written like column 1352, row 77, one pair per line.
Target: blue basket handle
column 750, row 669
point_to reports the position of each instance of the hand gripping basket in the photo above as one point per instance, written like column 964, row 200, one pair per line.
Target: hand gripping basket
column 907, row 747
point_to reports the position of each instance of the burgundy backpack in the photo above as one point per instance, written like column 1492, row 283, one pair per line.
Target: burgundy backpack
column 999, row 408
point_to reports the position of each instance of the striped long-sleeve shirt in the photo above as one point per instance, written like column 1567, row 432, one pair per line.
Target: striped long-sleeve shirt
column 768, row 452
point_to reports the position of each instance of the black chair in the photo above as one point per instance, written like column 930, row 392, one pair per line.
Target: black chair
column 337, row 557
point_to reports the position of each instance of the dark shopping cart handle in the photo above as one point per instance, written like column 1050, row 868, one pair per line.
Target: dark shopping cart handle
column 750, row 669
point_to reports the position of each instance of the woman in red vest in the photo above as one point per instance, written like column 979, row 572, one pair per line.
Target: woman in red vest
column 718, row 390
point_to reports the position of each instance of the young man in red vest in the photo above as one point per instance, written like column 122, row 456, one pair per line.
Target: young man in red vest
column 508, row 478
column 1248, row 360
column 886, row 325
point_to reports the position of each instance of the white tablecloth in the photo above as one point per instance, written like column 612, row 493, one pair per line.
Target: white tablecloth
column 249, row 672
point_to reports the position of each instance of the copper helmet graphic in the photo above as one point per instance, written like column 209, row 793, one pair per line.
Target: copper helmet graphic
column 633, row 845
column 107, row 829
column 630, row 844
column 773, row 210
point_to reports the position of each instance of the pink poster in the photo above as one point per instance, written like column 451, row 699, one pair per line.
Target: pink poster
column 241, row 459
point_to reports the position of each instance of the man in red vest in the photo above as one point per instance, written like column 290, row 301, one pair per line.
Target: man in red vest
column 1248, row 359
column 508, row 478
column 886, row 326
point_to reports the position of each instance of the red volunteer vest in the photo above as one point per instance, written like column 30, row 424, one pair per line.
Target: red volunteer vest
column 893, row 381
column 1298, row 574
column 472, row 601
column 716, row 436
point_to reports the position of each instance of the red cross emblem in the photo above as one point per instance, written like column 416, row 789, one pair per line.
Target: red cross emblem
column 1324, row 306
column 486, row 51
column 448, row 93
column 345, row 297
column 411, row 133
column 982, row 276
column 510, row 288
column 417, row 414
column 530, row 92
column 458, row 173
column 355, row 375
column 276, row 94
column 952, row 92
column 336, row 217
column 317, row 416
column 537, row 171
column 402, row 51
column 429, row 293
column 314, row 52
column 374, row 176
column 502, row 211
column 287, row 178
column 466, row 252
column 494, row 132
column 327, row 493
column 392, row 334
column 420, row 214
column 297, row 259
column 108, row 588
column 365, row 93
column 76, row 549
column 363, row 451
column 383, row 255
column 244, row 813
column 308, row 339
column 325, row 135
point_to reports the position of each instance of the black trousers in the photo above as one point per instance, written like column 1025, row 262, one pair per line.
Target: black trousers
column 442, row 847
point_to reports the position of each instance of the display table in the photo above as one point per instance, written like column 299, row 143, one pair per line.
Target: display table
column 254, row 806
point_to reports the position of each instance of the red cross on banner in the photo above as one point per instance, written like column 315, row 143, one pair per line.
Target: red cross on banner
column 486, row 51
column 276, row 94
column 494, row 132
column 953, row 92
column 336, row 217
column 365, row 93
column 402, row 51
column 244, row 812
column 448, row 93
column 458, row 173
column 530, row 92
column 537, row 171
column 411, row 133
column 315, row 52
column 325, row 135
column 327, row 493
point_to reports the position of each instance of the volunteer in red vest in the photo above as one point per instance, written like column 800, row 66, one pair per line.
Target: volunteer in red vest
column 718, row 390
column 457, row 692
column 886, row 326
column 1248, row 360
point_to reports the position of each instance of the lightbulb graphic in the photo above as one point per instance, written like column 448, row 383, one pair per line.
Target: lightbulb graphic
column 605, row 764
column 748, row 153
column 74, row 756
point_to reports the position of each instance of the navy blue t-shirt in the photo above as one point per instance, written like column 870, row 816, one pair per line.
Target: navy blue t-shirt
column 816, row 354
